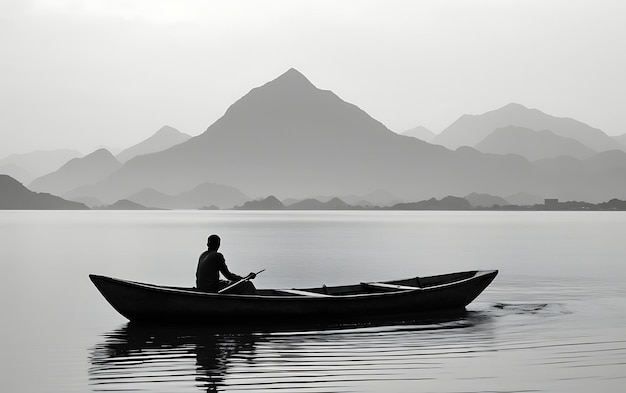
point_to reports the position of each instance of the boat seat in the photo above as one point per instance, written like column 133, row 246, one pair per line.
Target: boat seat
column 388, row 287
column 303, row 293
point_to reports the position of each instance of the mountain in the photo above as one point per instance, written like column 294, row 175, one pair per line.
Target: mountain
column 314, row 204
column 13, row 195
column 163, row 139
column 77, row 172
column 39, row 163
column 420, row 132
column 17, row 172
column 485, row 200
column 524, row 199
column 289, row 138
column 124, row 204
column 621, row 139
column 447, row 203
column 91, row 202
column 469, row 130
column 534, row 145
column 269, row 203
column 206, row 194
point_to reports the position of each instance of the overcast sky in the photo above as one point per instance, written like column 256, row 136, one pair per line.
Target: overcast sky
column 83, row 74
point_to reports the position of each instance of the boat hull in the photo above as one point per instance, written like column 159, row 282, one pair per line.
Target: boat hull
column 140, row 302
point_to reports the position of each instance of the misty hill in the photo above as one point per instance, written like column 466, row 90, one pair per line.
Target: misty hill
column 447, row 203
column 39, row 163
column 205, row 194
column 314, row 204
column 485, row 200
column 289, row 138
column 124, row 204
column 163, row 139
column 524, row 199
column 89, row 201
column 269, row 203
column 17, row 172
column 469, row 130
column 77, row 172
column 534, row 145
column 13, row 195
column 621, row 139
column 420, row 132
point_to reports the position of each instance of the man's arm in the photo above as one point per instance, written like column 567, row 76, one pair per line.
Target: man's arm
column 227, row 273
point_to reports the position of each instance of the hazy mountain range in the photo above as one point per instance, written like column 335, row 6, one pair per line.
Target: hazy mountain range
column 203, row 195
column 533, row 145
column 77, row 172
column 290, row 139
column 27, row 167
column 469, row 130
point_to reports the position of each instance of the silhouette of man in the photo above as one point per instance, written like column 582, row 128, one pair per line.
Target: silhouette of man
column 211, row 263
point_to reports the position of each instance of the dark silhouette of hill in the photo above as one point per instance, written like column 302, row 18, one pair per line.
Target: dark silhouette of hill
column 420, row 132
column 485, row 200
column 14, row 195
column 77, row 172
column 447, row 203
column 269, row 203
column 39, row 163
column 163, row 139
column 469, row 130
column 205, row 194
column 534, row 145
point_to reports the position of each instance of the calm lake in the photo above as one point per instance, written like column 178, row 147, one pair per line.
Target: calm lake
column 554, row 320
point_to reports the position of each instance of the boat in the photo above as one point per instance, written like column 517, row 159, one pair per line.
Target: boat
column 141, row 302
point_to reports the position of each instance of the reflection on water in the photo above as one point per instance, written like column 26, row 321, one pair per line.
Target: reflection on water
column 499, row 347
column 195, row 358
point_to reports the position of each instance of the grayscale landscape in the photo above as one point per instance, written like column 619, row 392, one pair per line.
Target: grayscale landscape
column 350, row 152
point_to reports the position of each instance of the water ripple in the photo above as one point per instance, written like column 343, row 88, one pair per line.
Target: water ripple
column 471, row 353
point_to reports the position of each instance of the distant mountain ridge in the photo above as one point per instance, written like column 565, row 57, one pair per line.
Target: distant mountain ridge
column 77, row 172
column 206, row 194
column 291, row 139
column 469, row 130
column 534, row 145
column 39, row 163
column 163, row 139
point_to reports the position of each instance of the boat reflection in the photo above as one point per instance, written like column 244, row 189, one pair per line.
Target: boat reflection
column 193, row 358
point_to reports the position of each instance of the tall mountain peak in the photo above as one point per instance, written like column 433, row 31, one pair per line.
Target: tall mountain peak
column 292, row 77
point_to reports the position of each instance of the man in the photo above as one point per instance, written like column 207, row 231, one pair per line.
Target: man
column 211, row 263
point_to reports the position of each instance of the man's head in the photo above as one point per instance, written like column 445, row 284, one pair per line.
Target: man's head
column 213, row 242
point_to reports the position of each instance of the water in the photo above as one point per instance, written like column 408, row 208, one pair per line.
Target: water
column 552, row 321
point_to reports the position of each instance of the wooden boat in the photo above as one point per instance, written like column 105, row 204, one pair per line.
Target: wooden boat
column 140, row 302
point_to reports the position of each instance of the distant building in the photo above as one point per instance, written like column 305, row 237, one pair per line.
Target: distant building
column 551, row 203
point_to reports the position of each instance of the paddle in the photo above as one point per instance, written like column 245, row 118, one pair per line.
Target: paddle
column 245, row 279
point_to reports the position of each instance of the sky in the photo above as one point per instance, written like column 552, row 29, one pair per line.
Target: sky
column 92, row 73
